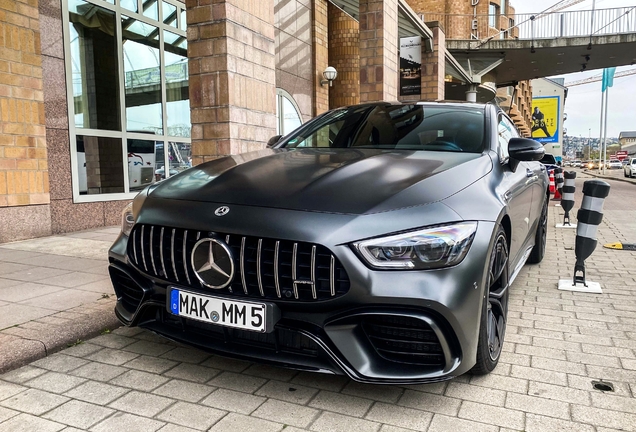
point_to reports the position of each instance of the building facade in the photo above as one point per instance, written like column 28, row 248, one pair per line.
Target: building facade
column 548, row 99
column 627, row 140
column 100, row 98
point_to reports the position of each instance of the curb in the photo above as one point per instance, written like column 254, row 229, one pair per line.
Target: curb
column 33, row 340
column 621, row 179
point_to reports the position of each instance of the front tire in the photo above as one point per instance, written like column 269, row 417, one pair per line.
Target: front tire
column 494, row 311
column 540, row 236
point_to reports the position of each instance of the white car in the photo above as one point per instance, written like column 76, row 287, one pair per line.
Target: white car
column 614, row 163
column 630, row 169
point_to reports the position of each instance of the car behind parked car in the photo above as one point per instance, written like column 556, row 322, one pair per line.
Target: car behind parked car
column 377, row 241
column 614, row 163
column 629, row 170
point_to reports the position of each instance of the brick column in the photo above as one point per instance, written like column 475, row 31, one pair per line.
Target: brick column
column 321, row 55
column 379, row 68
column 344, row 55
column 232, row 76
column 434, row 65
column 24, row 178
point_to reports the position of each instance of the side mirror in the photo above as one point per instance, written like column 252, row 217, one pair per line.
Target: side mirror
column 273, row 141
column 525, row 149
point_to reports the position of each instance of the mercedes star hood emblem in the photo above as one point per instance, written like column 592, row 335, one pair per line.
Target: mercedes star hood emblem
column 222, row 211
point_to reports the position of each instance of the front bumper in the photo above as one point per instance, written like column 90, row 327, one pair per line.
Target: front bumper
column 360, row 334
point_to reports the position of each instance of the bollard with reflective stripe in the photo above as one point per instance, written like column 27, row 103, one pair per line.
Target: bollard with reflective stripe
column 589, row 218
column 567, row 199
column 558, row 178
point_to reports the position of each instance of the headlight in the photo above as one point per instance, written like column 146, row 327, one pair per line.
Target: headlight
column 127, row 219
column 429, row 248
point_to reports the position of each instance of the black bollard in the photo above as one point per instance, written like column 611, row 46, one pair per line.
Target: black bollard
column 567, row 202
column 589, row 218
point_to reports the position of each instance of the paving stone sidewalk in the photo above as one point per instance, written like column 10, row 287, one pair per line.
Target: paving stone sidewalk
column 54, row 291
column 557, row 344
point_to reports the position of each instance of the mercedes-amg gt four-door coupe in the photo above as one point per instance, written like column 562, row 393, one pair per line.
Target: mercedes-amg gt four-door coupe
column 377, row 241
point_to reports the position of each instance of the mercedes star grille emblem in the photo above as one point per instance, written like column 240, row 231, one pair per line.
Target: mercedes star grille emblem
column 212, row 263
column 222, row 211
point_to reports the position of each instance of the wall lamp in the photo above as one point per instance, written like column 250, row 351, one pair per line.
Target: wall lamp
column 329, row 74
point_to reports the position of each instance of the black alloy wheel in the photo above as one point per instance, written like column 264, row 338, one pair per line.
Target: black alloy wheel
column 495, row 308
column 540, row 236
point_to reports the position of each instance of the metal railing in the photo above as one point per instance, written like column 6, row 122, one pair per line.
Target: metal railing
column 538, row 26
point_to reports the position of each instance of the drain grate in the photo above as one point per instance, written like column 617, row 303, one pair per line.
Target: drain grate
column 603, row 386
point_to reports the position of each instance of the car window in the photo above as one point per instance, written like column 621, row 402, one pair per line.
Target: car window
column 505, row 131
column 396, row 127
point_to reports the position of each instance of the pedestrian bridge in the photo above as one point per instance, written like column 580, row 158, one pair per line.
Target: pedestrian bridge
column 539, row 45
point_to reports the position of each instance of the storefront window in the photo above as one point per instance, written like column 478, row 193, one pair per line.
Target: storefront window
column 93, row 48
column 129, row 84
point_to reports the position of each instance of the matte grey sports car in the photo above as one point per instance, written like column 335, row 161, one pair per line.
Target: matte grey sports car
column 377, row 240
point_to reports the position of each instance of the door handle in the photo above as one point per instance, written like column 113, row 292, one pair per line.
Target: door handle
column 529, row 172
column 506, row 196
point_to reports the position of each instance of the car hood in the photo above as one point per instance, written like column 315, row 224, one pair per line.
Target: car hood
column 346, row 181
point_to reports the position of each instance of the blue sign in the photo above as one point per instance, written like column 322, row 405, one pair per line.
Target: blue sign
column 174, row 301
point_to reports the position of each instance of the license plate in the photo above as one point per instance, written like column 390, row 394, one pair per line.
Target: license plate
column 243, row 315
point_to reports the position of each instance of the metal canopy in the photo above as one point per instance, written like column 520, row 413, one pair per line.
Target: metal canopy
column 409, row 23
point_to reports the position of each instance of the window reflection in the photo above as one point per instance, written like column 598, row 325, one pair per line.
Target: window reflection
column 144, row 158
column 151, row 9
column 130, row 5
column 182, row 24
column 169, row 13
column 180, row 156
column 100, row 166
column 142, row 77
column 291, row 118
column 177, row 95
column 95, row 77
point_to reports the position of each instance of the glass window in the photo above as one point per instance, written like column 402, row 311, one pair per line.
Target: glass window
column 144, row 160
column 130, row 5
column 182, row 24
column 492, row 15
column 177, row 90
column 151, row 9
column 136, row 103
column 142, row 77
column 169, row 14
column 100, row 165
column 287, row 113
column 506, row 130
column 403, row 127
column 503, row 7
column 94, row 66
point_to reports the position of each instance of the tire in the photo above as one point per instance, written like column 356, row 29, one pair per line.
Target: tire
column 494, row 312
column 540, row 236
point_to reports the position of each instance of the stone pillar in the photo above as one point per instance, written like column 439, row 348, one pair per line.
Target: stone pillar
column 24, row 182
column 321, row 55
column 434, row 65
column 344, row 55
column 379, row 68
column 232, row 76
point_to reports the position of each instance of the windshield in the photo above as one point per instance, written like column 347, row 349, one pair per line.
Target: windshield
column 395, row 127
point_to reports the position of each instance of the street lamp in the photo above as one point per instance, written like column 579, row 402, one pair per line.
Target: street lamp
column 329, row 74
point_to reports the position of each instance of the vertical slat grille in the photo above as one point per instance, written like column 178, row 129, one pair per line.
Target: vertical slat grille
column 267, row 268
column 152, row 249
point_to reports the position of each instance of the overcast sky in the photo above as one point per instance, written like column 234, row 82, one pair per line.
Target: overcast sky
column 583, row 105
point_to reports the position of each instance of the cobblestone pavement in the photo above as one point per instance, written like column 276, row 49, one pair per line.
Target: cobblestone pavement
column 557, row 343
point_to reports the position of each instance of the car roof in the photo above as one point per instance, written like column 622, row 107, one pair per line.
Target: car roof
column 456, row 104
